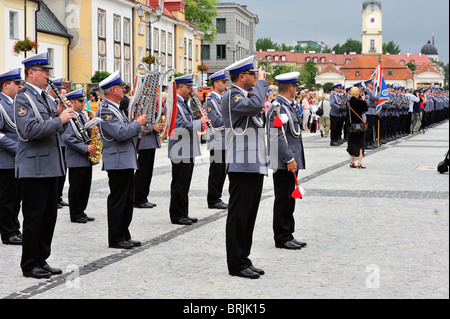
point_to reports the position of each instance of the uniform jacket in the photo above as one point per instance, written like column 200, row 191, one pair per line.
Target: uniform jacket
column 118, row 137
column 334, row 103
column 280, row 151
column 150, row 141
column 245, row 140
column 39, row 153
column 185, row 144
column 76, row 150
column 8, row 144
column 371, row 100
column 213, row 107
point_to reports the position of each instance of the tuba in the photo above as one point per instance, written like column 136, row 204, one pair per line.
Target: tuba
column 147, row 98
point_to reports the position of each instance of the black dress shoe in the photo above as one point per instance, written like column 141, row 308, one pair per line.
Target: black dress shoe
column 182, row 221
column 90, row 219
column 37, row 273
column 81, row 220
column 122, row 245
column 53, row 271
column 300, row 243
column 135, row 243
column 153, row 205
column 246, row 273
column 13, row 240
column 63, row 203
column 59, row 206
column 219, row 205
column 257, row 270
column 192, row 219
column 334, row 144
column 144, row 205
column 289, row 245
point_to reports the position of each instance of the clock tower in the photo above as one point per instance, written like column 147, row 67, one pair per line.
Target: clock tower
column 372, row 28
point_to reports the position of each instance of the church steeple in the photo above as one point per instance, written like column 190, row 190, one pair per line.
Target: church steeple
column 372, row 28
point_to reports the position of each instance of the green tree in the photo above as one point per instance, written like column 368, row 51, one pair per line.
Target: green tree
column 327, row 87
column 411, row 66
column 202, row 13
column 99, row 76
column 391, row 48
column 446, row 74
column 286, row 47
column 308, row 74
column 265, row 44
column 349, row 46
column 280, row 69
column 326, row 49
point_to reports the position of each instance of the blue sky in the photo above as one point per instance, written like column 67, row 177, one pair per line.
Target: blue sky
column 410, row 24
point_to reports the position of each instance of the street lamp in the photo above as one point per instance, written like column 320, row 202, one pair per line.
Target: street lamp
column 158, row 12
column 208, row 33
column 234, row 51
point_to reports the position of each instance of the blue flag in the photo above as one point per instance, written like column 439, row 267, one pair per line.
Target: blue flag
column 384, row 95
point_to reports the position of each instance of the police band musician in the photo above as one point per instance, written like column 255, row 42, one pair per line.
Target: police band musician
column 184, row 147
column 39, row 164
column 286, row 158
column 77, row 161
column 246, row 162
column 10, row 194
column 216, row 147
column 119, row 161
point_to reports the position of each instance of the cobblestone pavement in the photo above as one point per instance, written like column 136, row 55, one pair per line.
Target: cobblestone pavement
column 382, row 232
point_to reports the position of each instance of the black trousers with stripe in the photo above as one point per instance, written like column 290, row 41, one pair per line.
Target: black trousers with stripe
column 245, row 195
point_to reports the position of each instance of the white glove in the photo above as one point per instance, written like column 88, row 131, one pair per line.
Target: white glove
column 284, row 118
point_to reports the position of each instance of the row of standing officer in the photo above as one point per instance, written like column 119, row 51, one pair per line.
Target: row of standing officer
column 393, row 121
column 40, row 122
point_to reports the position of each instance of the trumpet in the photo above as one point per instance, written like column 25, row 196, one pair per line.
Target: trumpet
column 83, row 132
column 197, row 108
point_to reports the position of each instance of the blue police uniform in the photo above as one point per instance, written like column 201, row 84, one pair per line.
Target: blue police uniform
column 217, row 168
column 150, row 142
column 10, row 195
column 184, row 147
column 284, row 146
column 39, row 163
column 119, row 160
column 335, row 116
column 80, row 168
column 246, row 161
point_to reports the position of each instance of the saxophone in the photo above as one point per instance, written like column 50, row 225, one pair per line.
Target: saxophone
column 96, row 141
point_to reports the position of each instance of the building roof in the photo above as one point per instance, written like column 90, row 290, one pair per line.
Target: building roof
column 48, row 23
column 429, row 49
column 427, row 67
column 302, row 58
column 417, row 59
column 330, row 68
column 367, row 3
column 363, row 67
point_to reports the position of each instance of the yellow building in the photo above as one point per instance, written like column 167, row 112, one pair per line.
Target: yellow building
column 41, row 26
column 18, row 22
column 166, row 34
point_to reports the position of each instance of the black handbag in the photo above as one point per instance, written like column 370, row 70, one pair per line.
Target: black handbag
column 356, row 127
column 320, row 109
